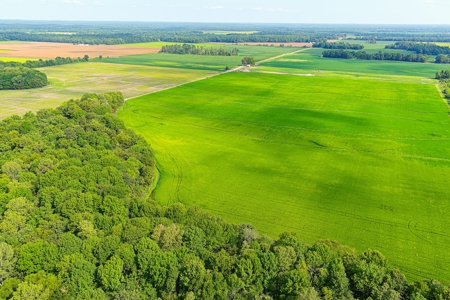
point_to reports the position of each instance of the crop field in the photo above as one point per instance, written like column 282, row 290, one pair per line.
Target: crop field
column 73, row 80
column 52, row 50
column 310, row 59
column 201, row 62
column 359, row 160
column 15, row 59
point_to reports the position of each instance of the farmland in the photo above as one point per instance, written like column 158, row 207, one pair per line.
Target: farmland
column 51, row 50
column 358, row 152
column 201, row 62
column 356, row 159
column 310, row 59
column 73, row 80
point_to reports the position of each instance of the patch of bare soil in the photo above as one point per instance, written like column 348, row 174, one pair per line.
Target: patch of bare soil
column 51, row 50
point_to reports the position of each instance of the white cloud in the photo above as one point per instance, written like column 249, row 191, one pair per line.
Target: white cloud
column 99, row 3
column 78, row 2
column 217, row 7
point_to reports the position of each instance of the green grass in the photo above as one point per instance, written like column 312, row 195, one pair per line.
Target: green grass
column 201, row 62
column 310, row 60
column 73, row 80
column 379, row 46
column 359, row 160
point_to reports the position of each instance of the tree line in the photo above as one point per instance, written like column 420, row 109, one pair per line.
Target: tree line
column 420, row 48
column 444, row 83
column 395, row 56
column 19, row 78
column 198, row 50
column 45, row 63
column 337, row 45
column 54, row 62
column 77, row 224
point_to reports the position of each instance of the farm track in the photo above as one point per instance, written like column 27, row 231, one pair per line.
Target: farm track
column 236, row 69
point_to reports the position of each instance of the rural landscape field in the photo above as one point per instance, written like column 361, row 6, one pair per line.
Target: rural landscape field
column 224, row 161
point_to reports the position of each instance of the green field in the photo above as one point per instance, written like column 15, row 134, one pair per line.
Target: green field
column 311, row 60
column 15, row 59
column 379, row 46
column 73, row 80
column 201, row 62
column 359, row 160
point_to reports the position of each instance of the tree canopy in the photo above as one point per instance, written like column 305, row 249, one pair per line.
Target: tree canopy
column 19, row 78
column 375, row 56
column 198, row 50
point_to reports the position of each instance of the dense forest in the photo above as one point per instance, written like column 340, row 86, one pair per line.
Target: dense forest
column 77, row 223
column 337, row 45
column 20, row 78
column 375, row 56
column 198, row 50
column 420, row 48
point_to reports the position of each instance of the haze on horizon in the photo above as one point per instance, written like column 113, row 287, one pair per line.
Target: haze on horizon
column 233, row 11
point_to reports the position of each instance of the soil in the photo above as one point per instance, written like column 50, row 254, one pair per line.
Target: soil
column 51, row 50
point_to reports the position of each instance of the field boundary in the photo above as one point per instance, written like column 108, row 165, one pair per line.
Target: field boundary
column 235, row 69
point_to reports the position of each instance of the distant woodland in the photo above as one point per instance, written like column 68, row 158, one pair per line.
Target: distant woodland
column 337, row 45
column 110, row 33
column 198, row 50
column 420, row 48
column 375, row 56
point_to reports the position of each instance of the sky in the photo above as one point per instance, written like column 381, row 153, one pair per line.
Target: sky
column 233, row 11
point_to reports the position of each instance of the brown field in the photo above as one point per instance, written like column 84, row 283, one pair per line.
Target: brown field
column 52, row 50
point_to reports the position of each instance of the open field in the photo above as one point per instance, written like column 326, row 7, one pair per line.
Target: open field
column 52, row 50
column 443, row 44
column 362, row 161
column 201, row 62
column 73, row 80
column 15, row 59
column 310, row 59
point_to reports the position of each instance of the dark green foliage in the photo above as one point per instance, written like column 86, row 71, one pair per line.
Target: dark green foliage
column 375, row 56
column 420, row 48
column 20, row 78
column 442, row 59
column 76, row 224
column 198, row 50
column 248, row 61
column 337, row 45
column 444, row 74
